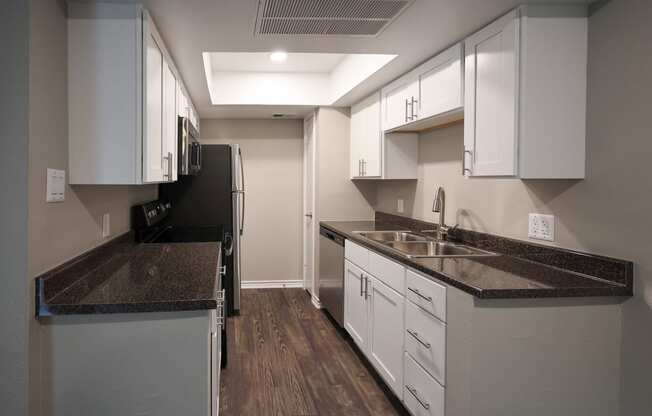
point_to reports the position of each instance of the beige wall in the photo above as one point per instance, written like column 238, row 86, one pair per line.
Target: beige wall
column 339, row 198
column 608, row 213
column 60, row 231
column 272, row 152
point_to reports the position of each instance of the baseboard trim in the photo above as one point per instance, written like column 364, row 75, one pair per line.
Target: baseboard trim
column 272, row 284
column 316, row 302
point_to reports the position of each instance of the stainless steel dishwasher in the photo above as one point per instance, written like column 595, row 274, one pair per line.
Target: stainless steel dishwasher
column 331, row 273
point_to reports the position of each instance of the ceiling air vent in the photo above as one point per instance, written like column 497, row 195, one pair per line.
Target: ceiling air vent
column 326, row 17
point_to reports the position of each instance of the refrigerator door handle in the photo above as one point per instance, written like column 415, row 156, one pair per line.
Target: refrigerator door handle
column 242, row 178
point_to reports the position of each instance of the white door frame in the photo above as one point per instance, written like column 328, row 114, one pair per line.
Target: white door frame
column 309, row 156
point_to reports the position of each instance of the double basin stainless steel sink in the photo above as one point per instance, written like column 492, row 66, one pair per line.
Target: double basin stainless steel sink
column 415, row 245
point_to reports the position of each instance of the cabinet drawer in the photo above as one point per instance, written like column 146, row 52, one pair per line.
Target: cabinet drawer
column 427, row 294
column 387, row 271
column 356, row 254
column 425, row 340
column 422, row 395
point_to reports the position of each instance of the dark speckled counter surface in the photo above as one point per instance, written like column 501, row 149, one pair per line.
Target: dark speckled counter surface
column 123, row 277
column 505, row 276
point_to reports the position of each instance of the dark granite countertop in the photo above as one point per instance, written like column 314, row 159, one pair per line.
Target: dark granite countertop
column 503, row 276
column 124, row 277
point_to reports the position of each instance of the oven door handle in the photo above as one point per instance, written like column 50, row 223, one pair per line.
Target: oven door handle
column 228, row 244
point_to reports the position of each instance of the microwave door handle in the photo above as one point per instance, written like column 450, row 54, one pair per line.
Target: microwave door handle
column 199, row 156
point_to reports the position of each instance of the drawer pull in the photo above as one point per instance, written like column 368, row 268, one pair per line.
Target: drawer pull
column 415, row 335
column 416, row 292
column 414, row 392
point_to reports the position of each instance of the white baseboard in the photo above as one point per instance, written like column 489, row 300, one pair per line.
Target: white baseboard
column 316, row 302
column 271, row 284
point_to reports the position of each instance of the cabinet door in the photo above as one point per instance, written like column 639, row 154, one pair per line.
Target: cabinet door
column 355, row 305
column 371, row 145
column 153, row 132
column 440, row 83
column 366, row 152
column 386, row 326
column 397, row 102
column 358, row 116
column 169, row 123
column 491, row 88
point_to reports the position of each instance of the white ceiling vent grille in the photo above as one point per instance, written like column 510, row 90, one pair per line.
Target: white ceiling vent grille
column 326, row 17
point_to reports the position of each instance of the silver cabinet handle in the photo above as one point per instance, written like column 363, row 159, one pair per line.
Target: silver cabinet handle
column 168, row 158
column 361, row 283
column 418, row 293
column 366, row 287
column 414, row 115
column 406, row 107
column 364, row 167
column 415, row 335
column 464, row 168
column 415, row 393
column 359, row 167
column 220, row 308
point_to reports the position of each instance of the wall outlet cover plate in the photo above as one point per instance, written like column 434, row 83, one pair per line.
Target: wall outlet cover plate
column 541, row 227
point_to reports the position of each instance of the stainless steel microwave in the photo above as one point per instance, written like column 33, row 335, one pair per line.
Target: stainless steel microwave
column 189, row 148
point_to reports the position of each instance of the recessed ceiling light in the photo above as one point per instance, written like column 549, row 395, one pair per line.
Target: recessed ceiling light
column 278, row 56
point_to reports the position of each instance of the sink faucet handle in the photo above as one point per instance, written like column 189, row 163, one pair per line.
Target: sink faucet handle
column 439, row 197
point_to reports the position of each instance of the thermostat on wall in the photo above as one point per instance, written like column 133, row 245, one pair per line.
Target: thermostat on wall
column 56, row 186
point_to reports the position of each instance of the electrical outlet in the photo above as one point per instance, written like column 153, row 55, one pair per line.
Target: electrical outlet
column 541, row 227
column 106, row 225
column 400, row 206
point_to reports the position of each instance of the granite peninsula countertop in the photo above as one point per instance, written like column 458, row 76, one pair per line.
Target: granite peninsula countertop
column 506, row 276
column 123, row 276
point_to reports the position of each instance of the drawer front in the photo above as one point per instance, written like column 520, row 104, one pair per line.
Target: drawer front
column 422, row 395
column 387, row 271
column 425, row 341
column 427, row 294
column 356, row 254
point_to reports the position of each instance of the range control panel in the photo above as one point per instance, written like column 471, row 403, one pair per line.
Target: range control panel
column 151, row 213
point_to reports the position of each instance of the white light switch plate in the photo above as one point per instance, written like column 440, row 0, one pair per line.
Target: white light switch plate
column 541, row 227
column 56, row 185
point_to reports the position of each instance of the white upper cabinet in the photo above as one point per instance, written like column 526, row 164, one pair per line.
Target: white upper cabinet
column 153, row 168
column 398, row 102
column 441, row 83
column 525, row 95
column 170, row 123
column 377, row 155
column 122, row 105
column 428, row 96
column 366, row 150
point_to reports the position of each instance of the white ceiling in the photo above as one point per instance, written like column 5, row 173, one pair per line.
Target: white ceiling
column 190, row 27
column 260, row 62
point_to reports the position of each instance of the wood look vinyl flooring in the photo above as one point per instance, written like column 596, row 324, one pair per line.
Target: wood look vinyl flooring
column 286, row 358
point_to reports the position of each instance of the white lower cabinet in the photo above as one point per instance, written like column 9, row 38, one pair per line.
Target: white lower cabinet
column 355, row 304
column 422, row 396
column 397, row 319
column 386, row 309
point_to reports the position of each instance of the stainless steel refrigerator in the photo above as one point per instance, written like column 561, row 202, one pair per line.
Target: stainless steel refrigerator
column 238, row 197
column 214, row 199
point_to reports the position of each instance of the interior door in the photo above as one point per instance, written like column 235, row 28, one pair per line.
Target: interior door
column 386, row 325
column 491, row 85
column 169, row 123
column 153, row 134
column 355, row 305
column 308, row 205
